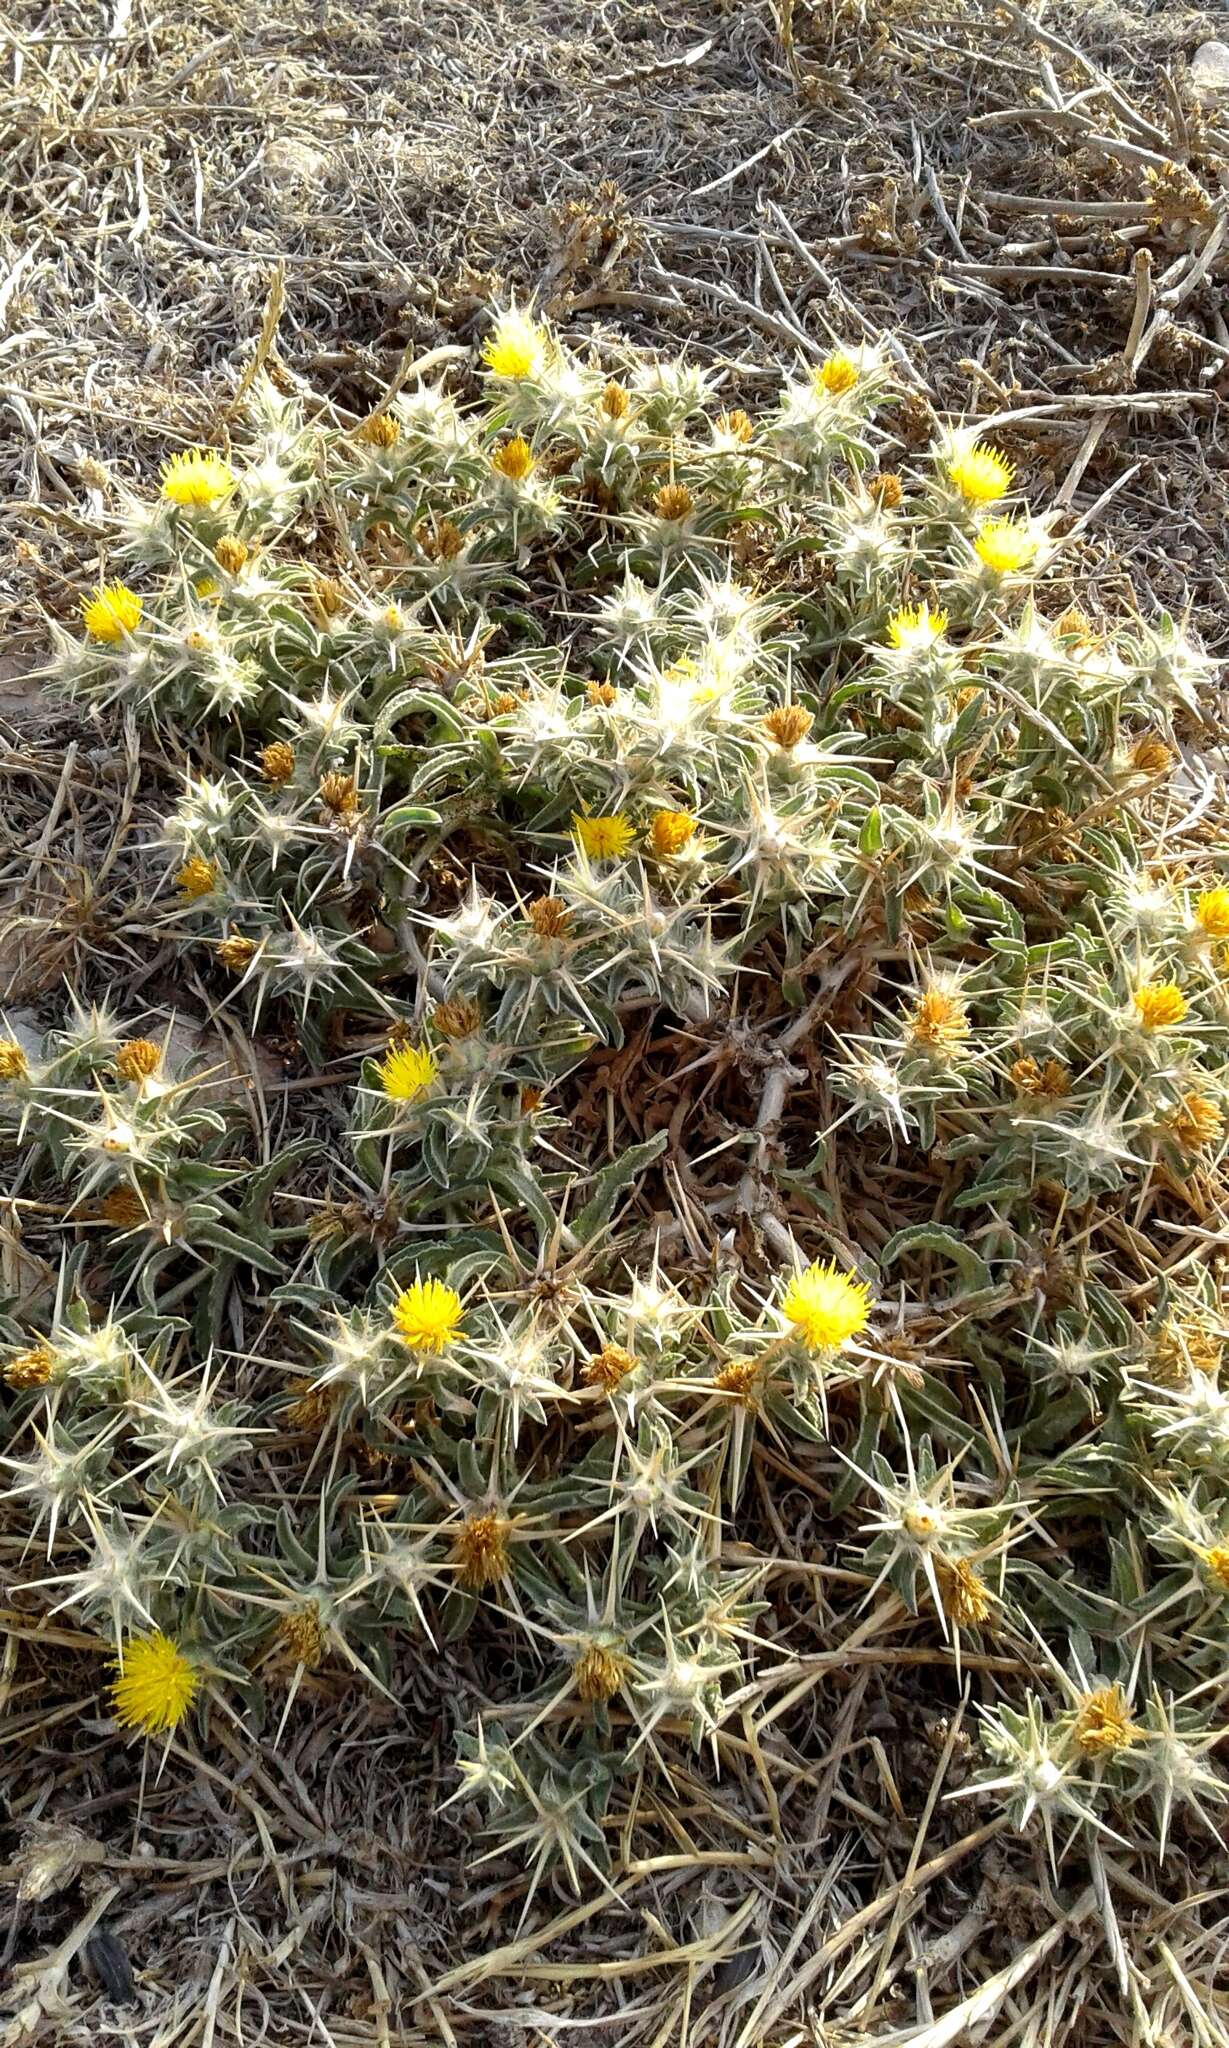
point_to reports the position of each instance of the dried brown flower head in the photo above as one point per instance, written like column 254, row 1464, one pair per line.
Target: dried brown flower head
column 303, row 1635
column 1032, row 1078
column 339, row 794
column 788, row 724
column 311, row 1408
column 442, row 542
column 886, row 489
column 607, row 1367
column 230, row 553
column 615, row 403
column 1197, row 1123
column 674, row 503
column 549, row 916
column 735, row 426
column 740, row 1378
column 598, row 1674
column 480, row 1550
column 1150, row 756
column 458, row 1017
column 277, row 762
column 962, row 1592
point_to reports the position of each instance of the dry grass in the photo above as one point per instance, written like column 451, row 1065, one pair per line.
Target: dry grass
column 1002, row 211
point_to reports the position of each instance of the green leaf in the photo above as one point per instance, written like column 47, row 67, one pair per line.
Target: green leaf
column 870, row 838
column 609, row 1184
column 947, row 1244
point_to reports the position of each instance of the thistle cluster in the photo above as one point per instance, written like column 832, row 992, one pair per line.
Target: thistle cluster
column 521, row 737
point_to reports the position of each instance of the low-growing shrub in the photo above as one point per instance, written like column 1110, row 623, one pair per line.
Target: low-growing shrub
column 546, row 751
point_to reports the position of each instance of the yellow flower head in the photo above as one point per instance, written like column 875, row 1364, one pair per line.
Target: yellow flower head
column 938, row 1020
column 112, row 613
column 14, row 1065
column 836, row 375
column 197, row 877
column 427, row 1315
column 1212, row 913
column 1103, row 1725
column 1217, row 1562
column 514, row 460
column 915, row 626
column 155, row 1687
column 196, row 478
column 670, row 832
column 1006, row 546
column 406, row 1070
column 517, row 347
column 32, row 1368
column 137, row 1059
column 1158, row 1004
column 980, row 474
column 236, row 952
column 602, row 838
column 826, row 1307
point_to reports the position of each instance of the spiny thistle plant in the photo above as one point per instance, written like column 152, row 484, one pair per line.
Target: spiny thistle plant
column 603, row 722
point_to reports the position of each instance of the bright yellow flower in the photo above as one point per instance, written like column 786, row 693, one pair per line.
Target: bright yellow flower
column 514, row 460
column 915, row 626
column 112, row 613
column 1103, row 1725
column 1159, row 1003
column 156, row 1685
column 406, row 1070
column 603, row 838
column 1217, row 1562
column 826, row 1306
column 14, row 1065
column 1006, row 545
column 670, row 832
column 980, row 474
column 197, row 877
column 836, row 375
column 1212, row 913
column 517, row 347
column 938, row 1020
column 427, row 1315
column 196, row 478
